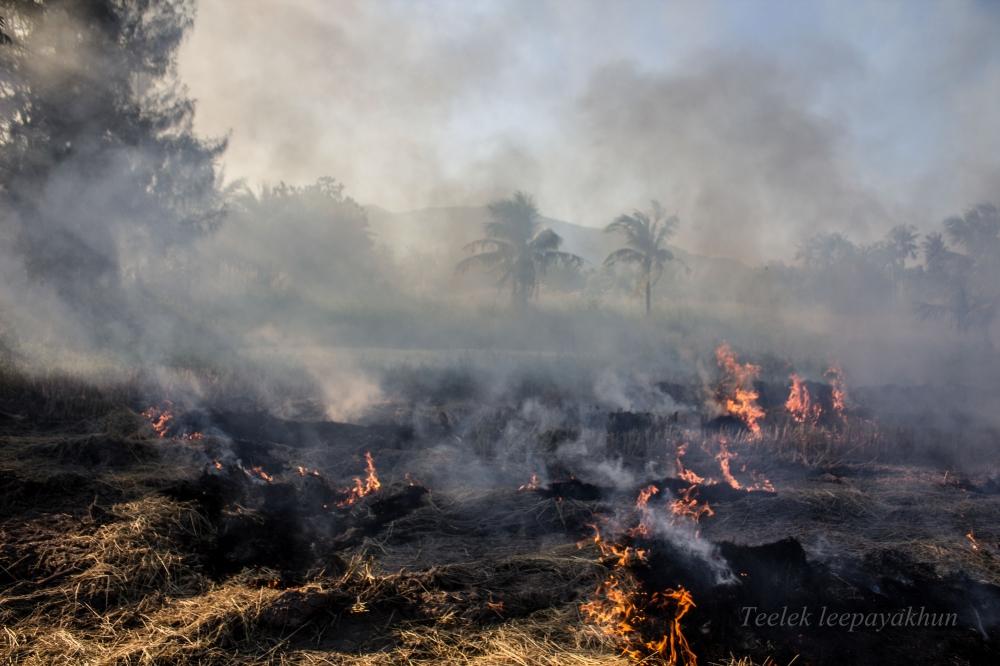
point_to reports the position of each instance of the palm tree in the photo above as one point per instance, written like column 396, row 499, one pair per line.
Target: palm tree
column 899, row 245
column 902, row 243
column 645, row 236
column 516, row 249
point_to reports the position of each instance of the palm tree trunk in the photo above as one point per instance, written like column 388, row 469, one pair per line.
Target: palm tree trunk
column 649, row 289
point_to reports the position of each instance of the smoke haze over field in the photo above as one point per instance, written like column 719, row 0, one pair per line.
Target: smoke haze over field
column 471, row 331
column 760, row 125
column 367, row 145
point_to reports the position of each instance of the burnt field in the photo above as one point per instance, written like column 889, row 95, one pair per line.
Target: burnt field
column 752, row 523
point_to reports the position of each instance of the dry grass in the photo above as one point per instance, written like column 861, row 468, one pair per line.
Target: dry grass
column 819, row 446
column 548, row 638
column 136, row 552
column 127, row 588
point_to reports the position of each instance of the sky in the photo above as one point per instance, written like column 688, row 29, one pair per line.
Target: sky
column 758, row 123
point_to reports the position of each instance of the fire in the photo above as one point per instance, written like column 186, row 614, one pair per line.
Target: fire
column 644, row 496
column 641, row 502
column 302, row 471
column 258, row 472
column 800, row 404
column 682, row 472
column 532, row 484
column 217, row 464
column 361, row 488
column 838, row 389
column 972, row 540
column 159, row 418
column 620, row 609
column 737, row 392
column 687, row 506
column 724, row 457
column 674, row 645
column 615, row 611
column 622, row 555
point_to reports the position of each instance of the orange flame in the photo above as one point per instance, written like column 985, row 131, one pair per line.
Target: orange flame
column 160, row 417
column 621, row 610
column 724, row 457
column 258, row 472
column 800, row 404
column 623, row 555
column 361, row 488
column 838, row 388
column 687, row 506
column 737, row 392
column 641, row 502
column 644, row 496
column 674, row 645
column 682, row 472
column 972, row 540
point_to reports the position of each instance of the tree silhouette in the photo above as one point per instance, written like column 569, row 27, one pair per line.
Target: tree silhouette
column 966, row 283
column 891, row 253
column 516, row 249
column 645, row 237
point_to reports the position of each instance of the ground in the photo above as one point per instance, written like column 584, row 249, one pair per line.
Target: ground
column 217, row 537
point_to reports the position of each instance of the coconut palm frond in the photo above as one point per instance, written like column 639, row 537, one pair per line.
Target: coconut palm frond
column 487, row 245
column 567, row 259
column 667, row 227
column 488, row 260
column 546, row 240
column 634, row 227
column 625, row 255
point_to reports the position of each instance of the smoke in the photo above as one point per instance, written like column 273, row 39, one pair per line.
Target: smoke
column 757, row 134
column 121, row 237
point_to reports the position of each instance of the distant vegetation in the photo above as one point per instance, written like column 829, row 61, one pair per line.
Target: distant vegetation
column 116, row 227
